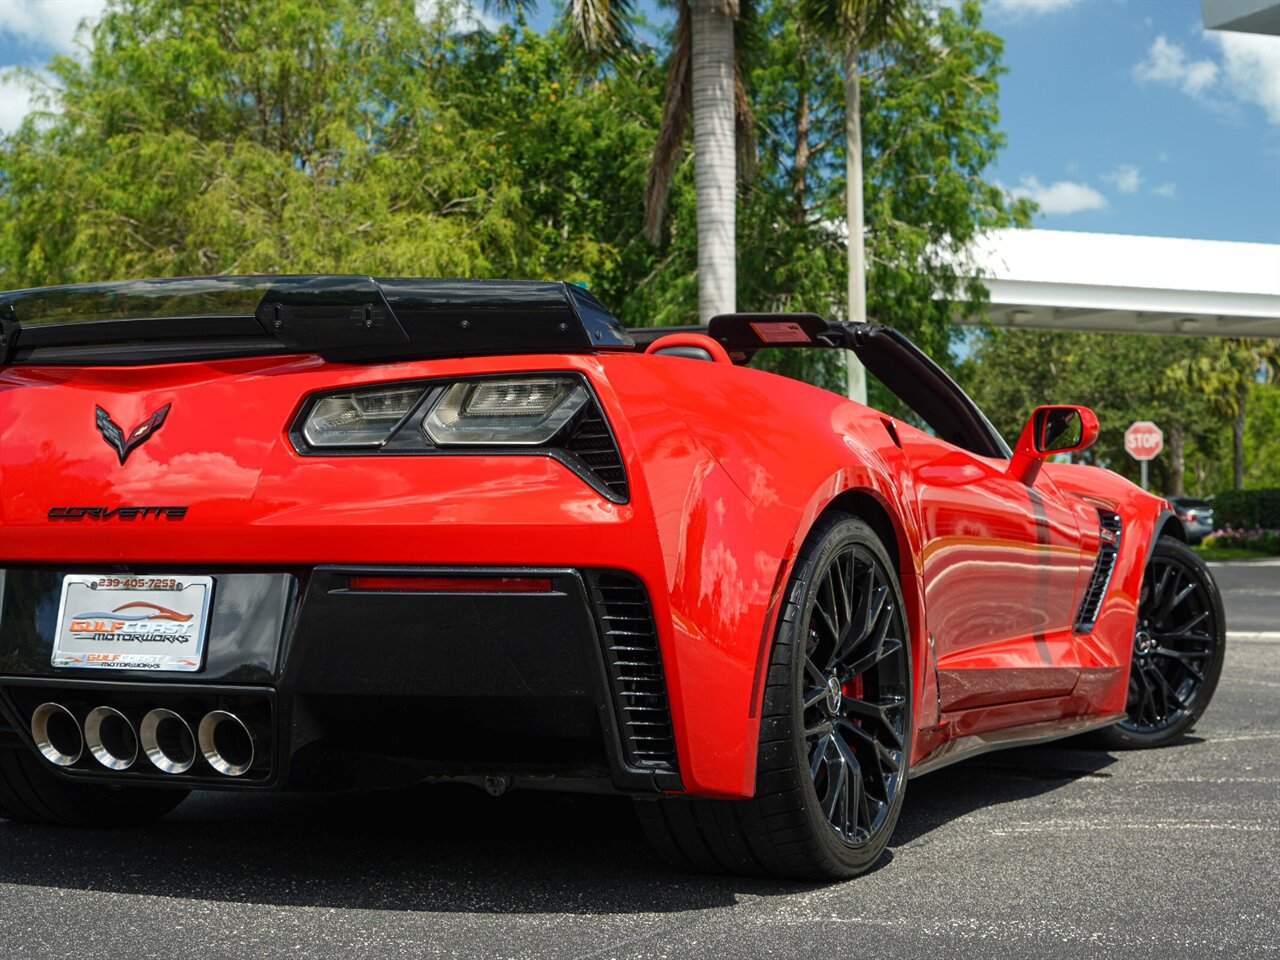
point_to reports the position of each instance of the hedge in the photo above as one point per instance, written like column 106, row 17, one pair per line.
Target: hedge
column 1247, row 508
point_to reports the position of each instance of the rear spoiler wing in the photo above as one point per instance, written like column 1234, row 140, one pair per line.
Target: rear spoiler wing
column 889, row 355
column 343, row 318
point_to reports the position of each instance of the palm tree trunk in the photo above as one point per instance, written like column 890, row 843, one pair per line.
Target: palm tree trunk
column 1177, row 458
column 715, row 161
column 856, row 374
column 1237, row 436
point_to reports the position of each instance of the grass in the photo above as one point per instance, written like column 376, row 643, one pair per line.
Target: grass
column 1209, row 554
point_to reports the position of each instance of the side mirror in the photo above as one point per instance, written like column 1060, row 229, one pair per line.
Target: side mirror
column 1051, row 430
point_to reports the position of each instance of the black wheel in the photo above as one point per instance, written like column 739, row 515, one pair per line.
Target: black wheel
column 835, row 731
column 1178, row 648
column 32, row 793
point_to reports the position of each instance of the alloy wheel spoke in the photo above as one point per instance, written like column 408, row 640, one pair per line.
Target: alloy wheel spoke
column 824, row 619
column 885, row 646
column 819, row 754
column 1146, row 695
column 1186, row 628
column 1186, row 660
column 857, row 777
column 837, row 790
column 871, row 604
column 820, row 729
column 877, row 714
column 814, row 696
column 841, row 580
column 1162, row 586
column 887, row 759
column 1182, row 595
column 1168, row 591
column 1169, row 694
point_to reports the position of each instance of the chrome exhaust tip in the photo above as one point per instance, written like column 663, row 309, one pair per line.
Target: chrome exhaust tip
column 57, row 734
column 167, row 741
column 111, row 738
column 226, row 743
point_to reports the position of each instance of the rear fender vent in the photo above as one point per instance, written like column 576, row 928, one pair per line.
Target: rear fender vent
column 1103, row 567
column 634, row 664
column 593, row 453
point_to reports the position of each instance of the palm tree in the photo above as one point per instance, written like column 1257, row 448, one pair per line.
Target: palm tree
column 1223, row 376
column 704, row 84
column 852, row 27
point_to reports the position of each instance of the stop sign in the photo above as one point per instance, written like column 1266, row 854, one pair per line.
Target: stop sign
column 1143, row 440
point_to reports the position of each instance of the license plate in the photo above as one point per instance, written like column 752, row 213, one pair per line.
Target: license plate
column 125, row 622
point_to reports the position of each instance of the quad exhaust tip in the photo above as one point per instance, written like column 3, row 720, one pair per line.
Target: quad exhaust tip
column 226, row 743
column 111, row 738
column 167, row 741
column 57, row 734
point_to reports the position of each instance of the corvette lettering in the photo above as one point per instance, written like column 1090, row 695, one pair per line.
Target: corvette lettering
column 117, row 513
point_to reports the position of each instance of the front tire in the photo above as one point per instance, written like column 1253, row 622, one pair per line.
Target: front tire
column 32, row 793
column 1179, row 645
column 835, row 731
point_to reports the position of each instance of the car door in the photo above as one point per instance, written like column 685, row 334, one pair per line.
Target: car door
column 1001, row 565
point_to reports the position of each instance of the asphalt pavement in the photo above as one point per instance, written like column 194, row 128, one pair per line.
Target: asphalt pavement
column 1057, row 851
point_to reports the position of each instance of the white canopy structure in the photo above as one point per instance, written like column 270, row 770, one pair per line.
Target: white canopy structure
column 1062, row 280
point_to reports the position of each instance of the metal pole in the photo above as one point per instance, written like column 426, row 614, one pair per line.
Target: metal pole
column 1144, row 473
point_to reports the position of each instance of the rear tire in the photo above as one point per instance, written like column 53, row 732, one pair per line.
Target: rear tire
column 30, row 792
column 835, row 730
column 1179, row 645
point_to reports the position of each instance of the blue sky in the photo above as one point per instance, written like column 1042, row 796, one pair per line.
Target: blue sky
column 1122, row 116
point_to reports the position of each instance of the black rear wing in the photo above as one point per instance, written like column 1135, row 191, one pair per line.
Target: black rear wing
column 906, row 370
column 343, row 318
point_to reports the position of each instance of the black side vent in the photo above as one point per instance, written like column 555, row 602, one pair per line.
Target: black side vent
column 590, row 442
column 1103, row 567
column 635, row 671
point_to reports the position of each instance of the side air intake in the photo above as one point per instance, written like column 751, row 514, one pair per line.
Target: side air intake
column 1103, row 567
column 590, row 442
column 634, row 665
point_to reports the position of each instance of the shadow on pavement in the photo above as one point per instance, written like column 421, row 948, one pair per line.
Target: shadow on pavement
column 987, row 781
column 455, row 849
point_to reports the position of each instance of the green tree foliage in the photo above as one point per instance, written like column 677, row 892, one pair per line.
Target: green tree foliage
column 222, row 137
column 1124, row 378
column 225, row 136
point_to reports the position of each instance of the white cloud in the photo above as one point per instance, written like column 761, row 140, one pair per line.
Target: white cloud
column 466, row 13
column 1167, row 190
column 1248, row 71
column 17, row 98
column 47, row 23
column 1126, row 178
column 1021, row 8
column 1167, row 62
column 1060, row 198
column 1251, row 69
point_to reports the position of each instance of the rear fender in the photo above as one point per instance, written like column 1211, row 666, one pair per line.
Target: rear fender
column 731, row 507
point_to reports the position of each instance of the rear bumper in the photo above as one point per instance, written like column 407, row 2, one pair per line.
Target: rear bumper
column 345, row 687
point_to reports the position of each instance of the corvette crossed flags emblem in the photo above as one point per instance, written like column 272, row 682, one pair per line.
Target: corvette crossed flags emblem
column 116, row 438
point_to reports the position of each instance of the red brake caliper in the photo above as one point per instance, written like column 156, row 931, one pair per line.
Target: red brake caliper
column 853, row 688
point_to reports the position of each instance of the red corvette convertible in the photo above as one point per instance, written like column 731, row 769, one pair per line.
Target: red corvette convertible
column 321, row 532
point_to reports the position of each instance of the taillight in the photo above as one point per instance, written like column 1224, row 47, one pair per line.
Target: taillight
column 555, row 414
column 361, row 418
column 522, row 410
